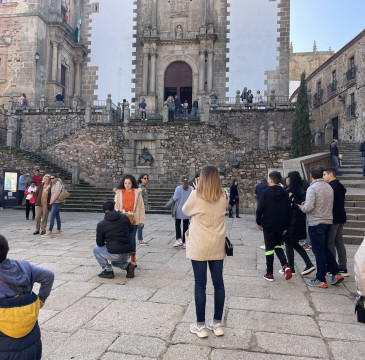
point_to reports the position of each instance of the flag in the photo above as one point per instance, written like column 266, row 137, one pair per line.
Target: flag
column 67, row 12
column 78, row 28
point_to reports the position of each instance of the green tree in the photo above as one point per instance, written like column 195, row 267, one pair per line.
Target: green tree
column 301, row 144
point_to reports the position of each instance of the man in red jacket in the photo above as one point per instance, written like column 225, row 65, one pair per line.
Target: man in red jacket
column 37, row 177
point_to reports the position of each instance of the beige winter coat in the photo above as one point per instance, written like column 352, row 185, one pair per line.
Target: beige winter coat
column 205, row 238
column 138, row 208
column 359, row 269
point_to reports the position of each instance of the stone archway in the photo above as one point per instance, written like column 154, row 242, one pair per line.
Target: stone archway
column 178, row 80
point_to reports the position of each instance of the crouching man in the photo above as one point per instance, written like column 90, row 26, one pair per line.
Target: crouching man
column 113, row 243
column 20, row 336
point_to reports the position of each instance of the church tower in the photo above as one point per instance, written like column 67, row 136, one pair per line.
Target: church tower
column 181, row 48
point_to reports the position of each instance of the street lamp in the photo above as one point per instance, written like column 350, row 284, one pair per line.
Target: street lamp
column 36, row 57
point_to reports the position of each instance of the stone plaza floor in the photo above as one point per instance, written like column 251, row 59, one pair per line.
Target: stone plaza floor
column 148, row 317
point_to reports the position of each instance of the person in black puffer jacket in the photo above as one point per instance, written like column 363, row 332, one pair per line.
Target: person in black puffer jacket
column 234, row 199
column 113, row 243
column 297, row 228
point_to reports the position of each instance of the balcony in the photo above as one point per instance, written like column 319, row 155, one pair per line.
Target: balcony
column 332, row 88
column 350, row 75
column 317, row 98
column 350, row 110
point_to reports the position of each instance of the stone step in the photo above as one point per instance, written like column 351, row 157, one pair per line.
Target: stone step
column 355, row 224
column 353, row 231
column 353, row 184
column 353, row 239
column 355, row 215
column 351, row 170
column 355, row 210
column 351, row 177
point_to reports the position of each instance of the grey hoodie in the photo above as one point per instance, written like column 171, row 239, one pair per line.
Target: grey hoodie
column 18, row 278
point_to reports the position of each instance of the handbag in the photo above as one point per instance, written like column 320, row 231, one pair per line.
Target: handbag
column 64, row 194
column 229, row 247
column 131, row 218
column 32, row 200
column 360, row 309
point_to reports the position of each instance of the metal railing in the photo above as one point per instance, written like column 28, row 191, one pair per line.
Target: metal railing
column 350, row 74
column 317, row 98
column 350, row 110
column 332, row 88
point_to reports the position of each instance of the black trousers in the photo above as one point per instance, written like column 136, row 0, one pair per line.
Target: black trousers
column 178, row 228
column 20, row 196
column 273, row 245
column 290, row 246
column 29, row 206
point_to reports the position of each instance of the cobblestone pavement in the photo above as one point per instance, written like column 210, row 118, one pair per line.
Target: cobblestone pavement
column 148, row 317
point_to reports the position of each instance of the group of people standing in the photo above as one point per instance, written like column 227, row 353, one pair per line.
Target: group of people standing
column 282, row 214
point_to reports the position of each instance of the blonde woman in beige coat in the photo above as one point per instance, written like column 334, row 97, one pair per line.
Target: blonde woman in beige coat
column 205, row 245
column 128, row 200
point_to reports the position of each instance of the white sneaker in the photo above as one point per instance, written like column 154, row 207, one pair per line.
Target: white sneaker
column 263, row 247
column 1, row 209
column 281, row 271
column 216, row 328
column 178, row 243
column 200, row 332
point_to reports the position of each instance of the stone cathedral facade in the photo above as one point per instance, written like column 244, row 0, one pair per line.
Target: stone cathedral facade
column 181, row 48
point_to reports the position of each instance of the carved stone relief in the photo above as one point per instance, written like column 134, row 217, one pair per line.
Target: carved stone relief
column 179, row 8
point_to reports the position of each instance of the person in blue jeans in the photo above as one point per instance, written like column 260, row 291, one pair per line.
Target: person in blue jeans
column 205, row 246
column 196, row 107
column 334, row 155
column 56, row 188
column 142, row 184
column 318, row 207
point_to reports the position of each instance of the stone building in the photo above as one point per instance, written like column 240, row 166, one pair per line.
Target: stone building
column 337, row 91
column 181, row 48
column 305, row 61
column 42, row 52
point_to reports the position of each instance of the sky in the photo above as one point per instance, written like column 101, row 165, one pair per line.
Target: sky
column 332, row 23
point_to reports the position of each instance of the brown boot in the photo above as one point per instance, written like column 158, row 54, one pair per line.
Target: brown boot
column 133, row 259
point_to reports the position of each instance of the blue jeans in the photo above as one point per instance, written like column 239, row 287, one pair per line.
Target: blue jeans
column 139, row 232
column 132, row 237
column 177, row 111
column 319, row 235
column 363, row 165
column 335, row 162
column 106, row 260
column 55, row 213
column 200, row 275
column 185, row 112
column 195, row 112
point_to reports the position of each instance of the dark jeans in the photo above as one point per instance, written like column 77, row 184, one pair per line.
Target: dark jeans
column 20, row 196
column 200, row 275
column 29, row 206
column 132, row 237
column 319, row 235
column 55, row 214
column 171, row 115
column 178, row 228
column 290, row 246
column 273, row 244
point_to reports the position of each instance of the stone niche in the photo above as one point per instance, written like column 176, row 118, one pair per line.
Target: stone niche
column 135, row 146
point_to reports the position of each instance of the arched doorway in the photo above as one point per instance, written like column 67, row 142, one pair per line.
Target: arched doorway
column 179, row 80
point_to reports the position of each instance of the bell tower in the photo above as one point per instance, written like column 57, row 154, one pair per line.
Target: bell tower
column 181, row 49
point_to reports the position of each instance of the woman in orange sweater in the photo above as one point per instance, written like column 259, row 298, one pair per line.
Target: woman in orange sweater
column 128, row 200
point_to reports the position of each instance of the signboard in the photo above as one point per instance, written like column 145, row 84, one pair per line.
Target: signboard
column 9, row 196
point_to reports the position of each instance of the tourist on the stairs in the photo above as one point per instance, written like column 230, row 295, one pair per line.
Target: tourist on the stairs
column 335, row 240
column 128, row 200
column 181, row 194
column 42, row 197
column 362, row 149
column 29, row 199
column 142, row 184
column 334, row 155
column 56, row 202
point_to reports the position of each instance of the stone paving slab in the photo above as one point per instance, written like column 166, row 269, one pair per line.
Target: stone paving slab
column 148, row 317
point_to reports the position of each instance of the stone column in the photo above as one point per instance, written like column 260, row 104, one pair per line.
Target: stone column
column 88, row 113
column 153, row 72
column 204, row 17
column 201, row 71
column 165, row 112
column 59, row 55
column 43, row 102
column 76, row 172
column 238, row 98
column 127, row 113
column 10, row 104
column 145, row 71
column 210, row 71
column 262, row 138
column 271, row 137
column 54, row 60
column 154, row 14
column 328, row 132
column 78, row 60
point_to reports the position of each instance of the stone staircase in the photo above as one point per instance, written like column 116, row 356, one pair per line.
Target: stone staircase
column 86, row 198
column 352, row 178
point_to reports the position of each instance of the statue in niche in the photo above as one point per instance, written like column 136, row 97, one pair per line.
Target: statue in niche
column 179, row 32
column 146, row 157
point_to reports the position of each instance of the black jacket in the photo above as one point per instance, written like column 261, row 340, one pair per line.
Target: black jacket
column 297, row 229
column 259, row 189
column 273, row 209
column 113, row 232
column 233, row 195
column 339, row 213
